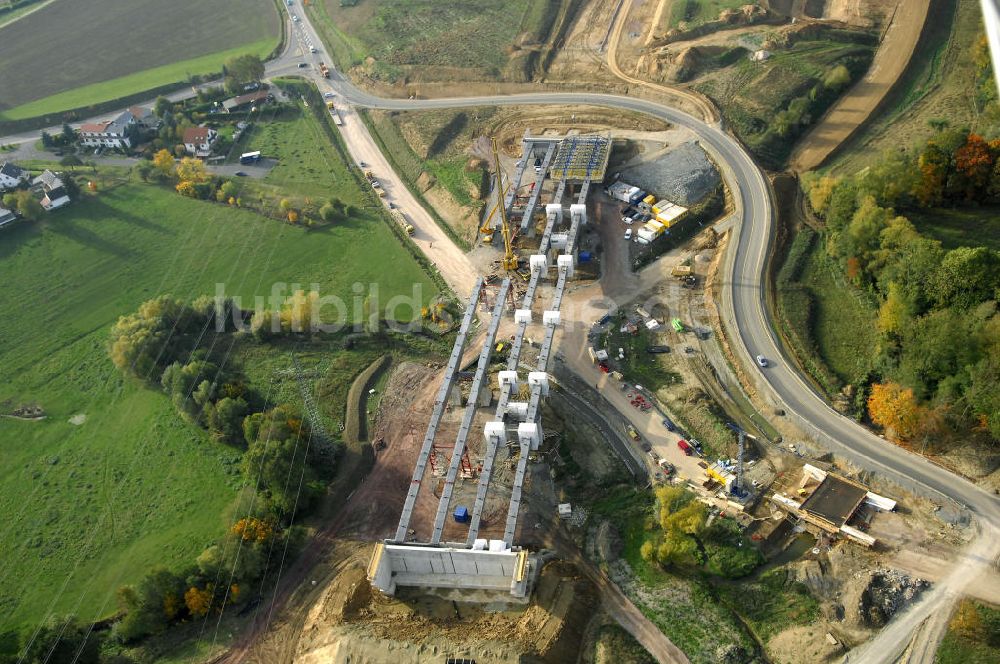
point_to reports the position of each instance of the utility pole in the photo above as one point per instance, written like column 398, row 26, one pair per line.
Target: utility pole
column 312, row 412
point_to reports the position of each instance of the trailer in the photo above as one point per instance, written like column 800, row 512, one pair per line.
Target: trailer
column 401, row 220
column 624, row 192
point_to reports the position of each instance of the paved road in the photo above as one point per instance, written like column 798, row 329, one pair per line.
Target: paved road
column 746, row 319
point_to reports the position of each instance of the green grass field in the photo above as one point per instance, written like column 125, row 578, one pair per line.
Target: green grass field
column 430, row 40
column 771, row 603
column 960, row 227
column 829, row 324
column 973, row 636
column 937, row 86
column 695, row 12
column 308, row 165
column 95, row 93
column 73, row 54
column 95, row 505
column 11, row 15
column 751, row 94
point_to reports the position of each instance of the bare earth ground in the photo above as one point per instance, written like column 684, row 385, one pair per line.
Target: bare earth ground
column 951, row 97
column 854, row 108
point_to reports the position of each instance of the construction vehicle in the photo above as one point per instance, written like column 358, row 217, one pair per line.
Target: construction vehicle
column 680, row 270
column 324, row 70
column 398, row 217
column 369, row 176
column 509, row 261
column 632, row 433
column 329, row 105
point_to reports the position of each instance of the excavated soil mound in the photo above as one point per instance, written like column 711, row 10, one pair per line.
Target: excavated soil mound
column 351, row 623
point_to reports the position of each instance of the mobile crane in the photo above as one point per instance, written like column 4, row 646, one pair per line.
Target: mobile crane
column 509, row 261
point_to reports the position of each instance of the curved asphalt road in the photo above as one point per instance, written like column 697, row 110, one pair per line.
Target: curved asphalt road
column 746, row 318
column 747, row 321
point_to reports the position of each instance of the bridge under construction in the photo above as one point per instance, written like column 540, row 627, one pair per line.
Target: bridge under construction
column 476, row 550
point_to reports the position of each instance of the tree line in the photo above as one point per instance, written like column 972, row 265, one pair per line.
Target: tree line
column 685, row 536
column 285, row 466
column 936, row 372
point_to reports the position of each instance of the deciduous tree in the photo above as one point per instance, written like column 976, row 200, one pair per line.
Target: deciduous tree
column 894, row 408
column 164, row 162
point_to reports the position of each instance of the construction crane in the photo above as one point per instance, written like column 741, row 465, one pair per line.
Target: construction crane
column 509, row 258
column 741, row 436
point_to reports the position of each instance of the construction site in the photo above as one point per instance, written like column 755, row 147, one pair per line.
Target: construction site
column 471, row 542
column 493, row 461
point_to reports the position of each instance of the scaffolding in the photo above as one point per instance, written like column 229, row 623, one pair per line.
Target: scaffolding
column 581, row 158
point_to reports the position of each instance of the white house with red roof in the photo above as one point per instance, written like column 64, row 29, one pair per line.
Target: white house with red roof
column 198, row 140
column 110, row 133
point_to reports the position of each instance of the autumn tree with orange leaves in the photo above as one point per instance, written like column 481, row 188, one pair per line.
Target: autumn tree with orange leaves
column 252, row 529
column 199, row 600
column 894, row 408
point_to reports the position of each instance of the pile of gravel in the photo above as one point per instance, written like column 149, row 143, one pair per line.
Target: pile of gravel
column 888, row 591
column 683, row 175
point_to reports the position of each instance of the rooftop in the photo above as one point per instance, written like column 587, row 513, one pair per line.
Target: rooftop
column 235, row 102
column 12, row 170
column 48, row 179
column 95, row 127
column 196, row 134
column 835, row 500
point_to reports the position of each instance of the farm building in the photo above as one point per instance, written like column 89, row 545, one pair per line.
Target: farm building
column 12, row 176
column 110, row 133
column 198, row 140
column 247, row 101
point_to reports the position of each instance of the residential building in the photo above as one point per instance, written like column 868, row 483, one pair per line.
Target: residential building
column 110, row 133
column 198, row 140
column 144, row 117
column 12, row 176
column 247, row 101
column 53, row 191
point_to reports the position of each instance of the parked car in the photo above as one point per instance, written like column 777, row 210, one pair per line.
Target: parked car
column 628, row 233
column 240, row 174
column 685, row 448
column 328, row 95
column 762, row 361
column 303, row 65
column 668, row 424
column 657, row 349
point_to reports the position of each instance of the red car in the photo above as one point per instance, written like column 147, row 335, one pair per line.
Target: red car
column 685, row 447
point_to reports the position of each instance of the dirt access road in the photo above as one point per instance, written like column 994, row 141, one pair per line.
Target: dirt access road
column 704, row 107
column 438, row 247
column 852, row 110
